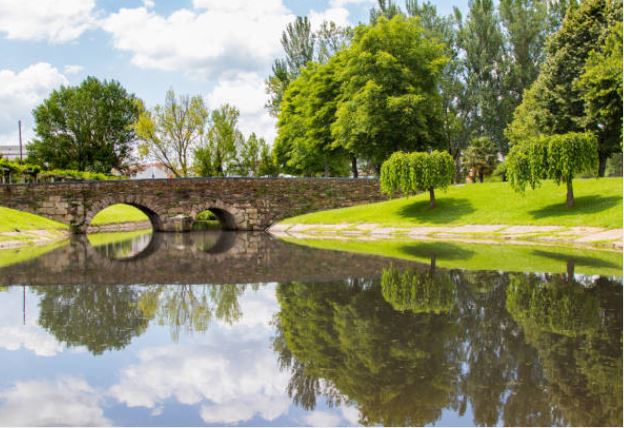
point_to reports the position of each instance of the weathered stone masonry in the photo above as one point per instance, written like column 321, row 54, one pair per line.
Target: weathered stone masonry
column 172, row 205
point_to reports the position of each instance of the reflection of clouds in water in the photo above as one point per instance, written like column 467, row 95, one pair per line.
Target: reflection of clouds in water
column 29, row 337
column 345, row 416
column 223, row 376
column 233, row 373
column 14, row 335
column 68, row 401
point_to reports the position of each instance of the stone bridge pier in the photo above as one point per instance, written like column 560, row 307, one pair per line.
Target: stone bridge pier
column 173, row 204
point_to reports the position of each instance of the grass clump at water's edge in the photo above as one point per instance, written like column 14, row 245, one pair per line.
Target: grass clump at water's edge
column 598, row 204
column 510, row 258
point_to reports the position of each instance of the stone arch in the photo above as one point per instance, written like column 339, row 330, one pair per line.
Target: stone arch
column 104, row 203
column 230, row 217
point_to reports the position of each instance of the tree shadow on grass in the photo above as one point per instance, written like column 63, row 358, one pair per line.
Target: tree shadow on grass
column 577, row 260
column 439, row 250
column 446, row 210
column 582, row 205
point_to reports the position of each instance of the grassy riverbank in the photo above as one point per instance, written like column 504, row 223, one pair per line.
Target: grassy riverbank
column 598, row 204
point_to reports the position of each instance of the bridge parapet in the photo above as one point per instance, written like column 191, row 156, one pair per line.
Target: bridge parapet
column 173, row 204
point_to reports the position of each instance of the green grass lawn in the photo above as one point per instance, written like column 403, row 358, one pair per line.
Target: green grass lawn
column 598, row 203
column 13, row 220
column 509, row 258
column 119, row 213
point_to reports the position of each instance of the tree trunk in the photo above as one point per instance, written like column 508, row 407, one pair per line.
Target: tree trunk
column 431, row 198
column 602, row 164
column 326, row 165
column 570, row 196
column 458, row 168
column 570, row 269
column 480, row 176
column 432, row 265
column 354, row 168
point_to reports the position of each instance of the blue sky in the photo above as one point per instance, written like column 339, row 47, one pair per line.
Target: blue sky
column 220, row 49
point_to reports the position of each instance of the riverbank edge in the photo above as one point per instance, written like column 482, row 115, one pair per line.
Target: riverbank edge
column 579, row 237
column 128, row 226
column 34, row 237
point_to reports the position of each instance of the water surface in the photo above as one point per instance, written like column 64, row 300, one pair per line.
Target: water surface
column 215, row 328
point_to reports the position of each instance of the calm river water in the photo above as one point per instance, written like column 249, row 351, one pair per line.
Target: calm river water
column 213, row 328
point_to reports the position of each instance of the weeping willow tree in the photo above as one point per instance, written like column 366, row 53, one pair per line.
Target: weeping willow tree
column 556, row 157
column 418, row 291
column 410, row 173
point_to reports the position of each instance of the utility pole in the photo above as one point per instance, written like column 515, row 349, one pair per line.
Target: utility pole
column 19, row 126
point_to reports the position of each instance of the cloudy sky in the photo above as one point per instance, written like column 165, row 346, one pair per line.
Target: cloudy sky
column 220, row 49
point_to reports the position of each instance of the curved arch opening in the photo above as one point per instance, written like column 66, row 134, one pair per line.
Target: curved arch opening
column 122, row 231
column 123, row 218
column 214, row 219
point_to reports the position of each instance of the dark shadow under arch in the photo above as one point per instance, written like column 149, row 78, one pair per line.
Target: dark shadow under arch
column 226, row 219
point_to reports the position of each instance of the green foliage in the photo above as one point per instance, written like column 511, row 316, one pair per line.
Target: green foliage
column 557, row 157
column 410, row 173
column 388, row 98
column 418, row 291
column 170, row 132
column 19, row 172
column 304, row 143
column 565, row 97
column 86, row 127
column 481, row 157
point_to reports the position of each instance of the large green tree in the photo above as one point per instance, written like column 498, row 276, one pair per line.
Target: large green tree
column 304, row 144
column 555, row 102
column 389, row 98
column 86, row 127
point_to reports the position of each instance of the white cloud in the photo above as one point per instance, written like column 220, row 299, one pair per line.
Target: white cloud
column 246, row 91
column 20, row 92
column 73, row 69
column 68, row 402
column 233, row 35
column 339, row 15
column 341, row 3
column 57, row 21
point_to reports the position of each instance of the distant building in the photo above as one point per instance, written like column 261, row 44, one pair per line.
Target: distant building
column 149, row 170
column 11, row 152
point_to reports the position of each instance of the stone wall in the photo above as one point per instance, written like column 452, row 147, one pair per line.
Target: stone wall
column 172, row 205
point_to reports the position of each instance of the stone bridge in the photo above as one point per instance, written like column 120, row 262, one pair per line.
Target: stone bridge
column 173, row 204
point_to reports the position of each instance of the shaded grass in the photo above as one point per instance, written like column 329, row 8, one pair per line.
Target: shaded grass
column 598, row 204
column 119, row 213
column 509, row 258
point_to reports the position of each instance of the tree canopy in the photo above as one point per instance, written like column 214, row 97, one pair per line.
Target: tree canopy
column 86, row 127
column 558, row 157
column 410, row 173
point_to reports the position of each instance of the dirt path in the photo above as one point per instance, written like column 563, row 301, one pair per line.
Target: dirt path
column 498, row 233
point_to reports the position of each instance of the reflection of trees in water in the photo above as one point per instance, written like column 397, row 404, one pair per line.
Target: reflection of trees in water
column 503, row 347
column 418, row 290
column 97, row 317
column 104, row 318
column 576, row 328
column 347, row 335
column 191, row 308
